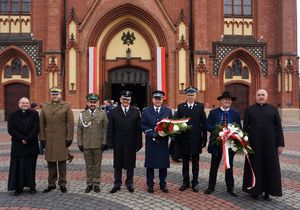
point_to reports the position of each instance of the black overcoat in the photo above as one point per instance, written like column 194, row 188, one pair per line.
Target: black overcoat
column 263, row 124
column 156, row 153
column 23, row 125
column 124, row 135
column 192, row 141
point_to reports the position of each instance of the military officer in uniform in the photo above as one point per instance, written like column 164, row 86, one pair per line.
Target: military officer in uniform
column 192, row 141
column 124, row 136
column 56, row 135
column 157, row 153
column 91, row 139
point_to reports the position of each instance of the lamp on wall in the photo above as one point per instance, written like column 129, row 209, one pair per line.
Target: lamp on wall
column 182, row 85
column 128, row 53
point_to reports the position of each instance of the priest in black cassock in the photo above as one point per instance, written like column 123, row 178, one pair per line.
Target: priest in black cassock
column 263, row 124
column 23, row 126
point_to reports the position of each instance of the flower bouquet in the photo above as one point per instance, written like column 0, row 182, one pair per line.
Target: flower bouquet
column 171, row 127
column 232, row 137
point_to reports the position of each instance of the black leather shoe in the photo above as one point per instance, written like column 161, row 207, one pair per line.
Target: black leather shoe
column 232, row 193
column 18, row 192
column 150, row 190
column 183, row 187
column 96, row 189
column 130, row 189
column 267, row 197
column 63, row 189
column 164, row 189
column 48, row 189
column 32, row 190
column 195, row 188
column 208, row 191
column 114, row 189
column 88, row 189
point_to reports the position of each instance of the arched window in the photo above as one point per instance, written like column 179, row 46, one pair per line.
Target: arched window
column 245, row 73
column 7, row 72
column 237, row 67
column 228, row 73
column 16, row 66
column 25, row 72
column 237, row 8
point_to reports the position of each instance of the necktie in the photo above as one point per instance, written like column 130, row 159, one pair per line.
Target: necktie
column 157, row 110
column 191, row 107
column 92, row 112
column 125, row 111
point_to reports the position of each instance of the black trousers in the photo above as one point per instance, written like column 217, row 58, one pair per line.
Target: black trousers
column 214, row 166
column 118, row 177
column 162, row 177
column 195, row 169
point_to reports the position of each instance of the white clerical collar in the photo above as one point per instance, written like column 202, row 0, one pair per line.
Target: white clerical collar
column 224, row 110
column 190, row 104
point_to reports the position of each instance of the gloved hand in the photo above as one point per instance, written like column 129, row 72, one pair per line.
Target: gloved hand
column 155, row 137
column 68, row 143
column 43, row 143
column 81, row 148
column 104, row 147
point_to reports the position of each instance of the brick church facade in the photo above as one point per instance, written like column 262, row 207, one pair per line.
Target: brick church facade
column 105, row 46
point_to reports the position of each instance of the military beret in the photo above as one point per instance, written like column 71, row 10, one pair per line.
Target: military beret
column 191, row 90
column 158, row 94
column 92, row 97
column 125, row 94
column 55, row 91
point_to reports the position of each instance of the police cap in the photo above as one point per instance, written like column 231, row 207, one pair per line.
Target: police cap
column 55, row 91
column 125, row 94
column 190, row 90
column 158, row 94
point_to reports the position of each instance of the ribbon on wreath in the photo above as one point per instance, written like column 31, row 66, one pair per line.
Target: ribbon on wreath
column 227, row 134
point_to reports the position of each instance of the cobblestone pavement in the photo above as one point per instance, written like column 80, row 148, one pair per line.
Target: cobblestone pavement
column 75, row 198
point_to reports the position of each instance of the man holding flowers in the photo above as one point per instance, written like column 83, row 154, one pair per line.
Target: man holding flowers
column 156, row 151
column 191, row 142
column 223, row 115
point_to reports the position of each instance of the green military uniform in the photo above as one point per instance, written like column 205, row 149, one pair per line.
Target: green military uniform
column 91, row 135
column 56, row 126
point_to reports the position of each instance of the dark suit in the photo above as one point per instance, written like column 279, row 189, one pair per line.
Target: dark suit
column 216, row 116
column 156, row 154
column 191, row 142
column 124, row 135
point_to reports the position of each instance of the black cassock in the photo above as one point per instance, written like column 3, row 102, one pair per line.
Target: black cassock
column 23, row 125
column 263, row 124
column 124, row 135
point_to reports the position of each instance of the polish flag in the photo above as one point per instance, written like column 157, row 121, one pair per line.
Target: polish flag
column 92, row 69
column 161, row 70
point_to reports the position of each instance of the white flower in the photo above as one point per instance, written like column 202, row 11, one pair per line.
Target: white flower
column 221, row 134
column 246, row 138
column 183, row 125
column 234, row 148
column 175, row 128
column 230, row 127
column 241, row 134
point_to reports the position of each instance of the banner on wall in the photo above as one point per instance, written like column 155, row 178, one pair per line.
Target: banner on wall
column 161, row 69
column 92, row 70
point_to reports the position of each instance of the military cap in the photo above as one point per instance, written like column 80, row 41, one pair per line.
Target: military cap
column 158, row 94
column 33, row 105
column 125, row 94
column 191, row 90
column 226, row 95
column 92, row 97
column 55, row 91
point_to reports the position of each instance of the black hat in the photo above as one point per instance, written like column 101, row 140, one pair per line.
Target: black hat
column 92, row 97
column 158, row 94
column 226, row 95
column 191, row 90
column 125, row 94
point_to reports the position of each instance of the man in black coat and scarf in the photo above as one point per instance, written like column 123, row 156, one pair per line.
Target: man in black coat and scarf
column 23, row 126
column 124, row 136
column 263, row 124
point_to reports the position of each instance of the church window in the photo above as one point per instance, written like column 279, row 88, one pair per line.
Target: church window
column 245, row 73
column 16, row 66
column 15, row 7
column 228, row 73
column 25, row 72
column 237, row 8
column 7, row 72
column 237, row 67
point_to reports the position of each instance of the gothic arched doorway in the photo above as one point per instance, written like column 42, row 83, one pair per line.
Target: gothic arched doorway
column 241, row 92
column 12, row 93
column 129, row 78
